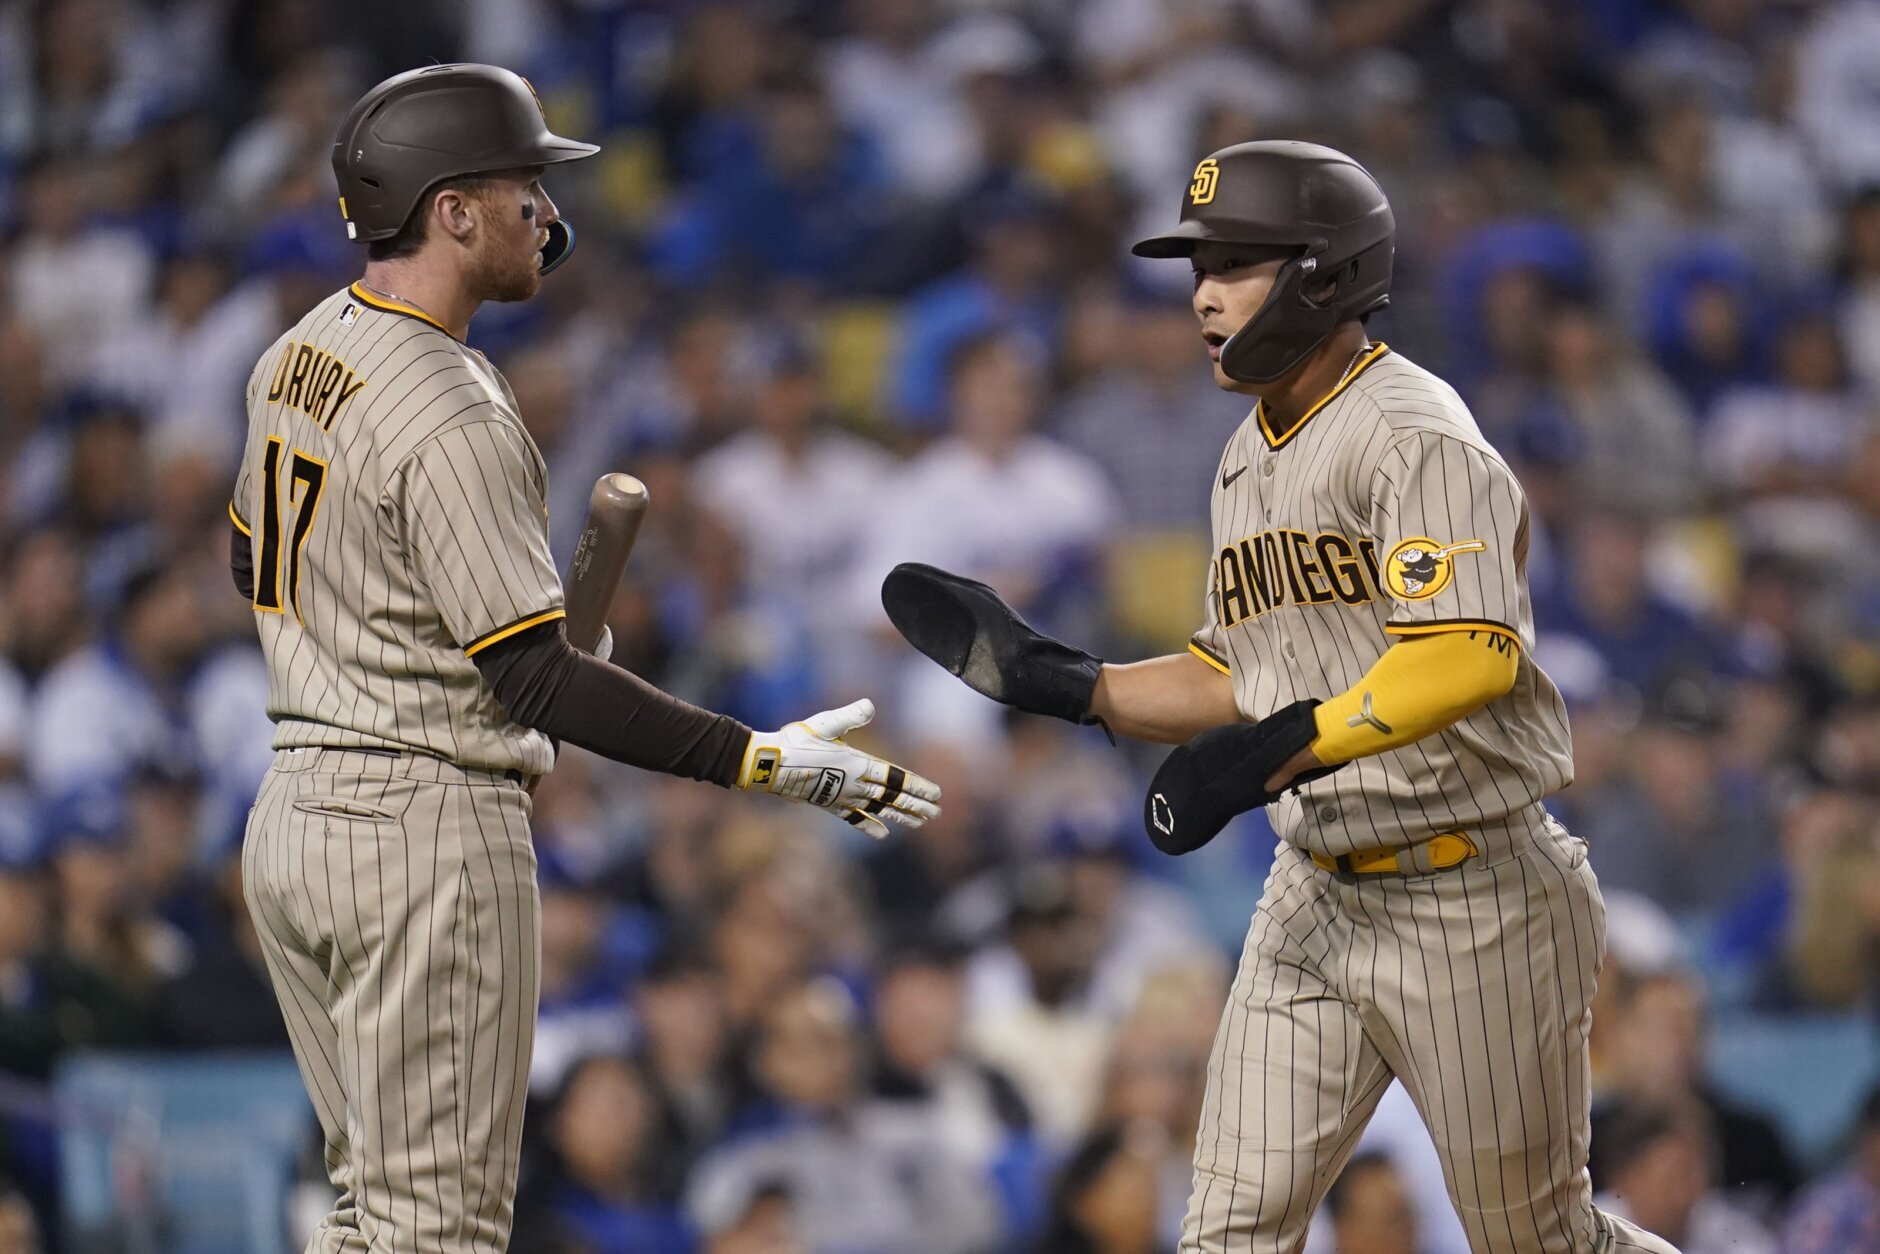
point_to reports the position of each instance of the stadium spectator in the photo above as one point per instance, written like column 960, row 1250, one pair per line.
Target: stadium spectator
column 786, row 489
column 1653, row 1164
column 221, row 999
column 859, row 1174
column 886, row 77
column 1859, row 272
column 1654, row 1050
column 1029, row 1011
column 1831, row 853
column 46, row 618
column 685, row 1048
column 126, row 699
column 1370, row 1209
column 74, row 283
column 786, row 192
column 994, row 500
column 19, row 1230
column 1677, row 798
column 580, row 1006
column 1105, row 1201
column 604, row 1181
column 1002, row 292
column 1138, row 405
column 29, row 1036
column 1782, row 449
column 1397, row 1138
column 766, row 1226
column 1635, row 442
column 1605, row 593
column 1841, row 1211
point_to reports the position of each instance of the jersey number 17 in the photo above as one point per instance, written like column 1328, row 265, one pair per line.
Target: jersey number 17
column 307, row 480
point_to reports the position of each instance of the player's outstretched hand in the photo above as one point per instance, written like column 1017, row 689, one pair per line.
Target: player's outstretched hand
column 1223, row 772
column 969, row 629
column 810, row 762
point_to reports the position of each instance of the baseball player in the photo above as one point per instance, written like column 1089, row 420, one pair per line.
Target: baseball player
column 391, row 533
column 1365, row 670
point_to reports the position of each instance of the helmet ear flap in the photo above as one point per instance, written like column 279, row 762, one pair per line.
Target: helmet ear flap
column 1324, row 291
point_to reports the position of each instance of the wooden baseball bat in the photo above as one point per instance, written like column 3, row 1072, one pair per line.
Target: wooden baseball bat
column 616, row 508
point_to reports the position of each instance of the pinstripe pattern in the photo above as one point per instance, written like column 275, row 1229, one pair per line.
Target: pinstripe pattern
column 404, row 528
column 1472, row 986
column 396, row 903
column 1393, row 455
column 431, row 537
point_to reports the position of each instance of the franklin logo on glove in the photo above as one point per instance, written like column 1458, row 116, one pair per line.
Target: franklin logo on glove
column 828, row 786
column 812, row 763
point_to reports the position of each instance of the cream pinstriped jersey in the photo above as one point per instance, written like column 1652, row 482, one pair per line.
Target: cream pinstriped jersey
column 396, row 508
column 1382, row 514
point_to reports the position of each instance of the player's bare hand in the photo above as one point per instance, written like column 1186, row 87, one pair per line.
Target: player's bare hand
column 1295, row 766
column 812, row 763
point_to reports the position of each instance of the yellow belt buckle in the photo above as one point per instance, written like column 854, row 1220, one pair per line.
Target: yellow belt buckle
column 1439, row 853
column 1445, row 850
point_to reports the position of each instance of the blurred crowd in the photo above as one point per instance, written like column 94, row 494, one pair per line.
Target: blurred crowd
column 853, row 288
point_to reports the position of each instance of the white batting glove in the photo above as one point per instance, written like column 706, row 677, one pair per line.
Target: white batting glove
column 604, row 647
column 810, row 762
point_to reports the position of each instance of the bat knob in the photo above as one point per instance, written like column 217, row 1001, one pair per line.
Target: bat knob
column 622, row 489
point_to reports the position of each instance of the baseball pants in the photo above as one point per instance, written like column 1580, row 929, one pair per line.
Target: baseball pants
column 396, row 902
column 1473, row 987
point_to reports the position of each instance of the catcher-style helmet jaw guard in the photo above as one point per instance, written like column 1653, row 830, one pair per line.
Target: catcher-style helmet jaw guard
column 1289, row 325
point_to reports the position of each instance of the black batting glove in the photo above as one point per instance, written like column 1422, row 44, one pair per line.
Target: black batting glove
column 1223, row 772
column 970, row 630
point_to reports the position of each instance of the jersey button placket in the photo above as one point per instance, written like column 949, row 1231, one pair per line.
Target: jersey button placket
column 1328, row 814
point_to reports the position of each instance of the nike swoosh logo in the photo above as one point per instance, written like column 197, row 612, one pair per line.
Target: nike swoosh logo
column 1228, row 478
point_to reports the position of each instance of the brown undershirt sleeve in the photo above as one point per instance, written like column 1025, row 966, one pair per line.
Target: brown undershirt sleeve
column 546, row 683
column 241, row 561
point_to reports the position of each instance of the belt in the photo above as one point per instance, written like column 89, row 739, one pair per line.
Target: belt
column 1438, row 853
column 421, row 765
column 511, row 775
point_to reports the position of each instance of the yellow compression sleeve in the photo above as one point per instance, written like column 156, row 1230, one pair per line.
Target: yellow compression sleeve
column 1421, row 685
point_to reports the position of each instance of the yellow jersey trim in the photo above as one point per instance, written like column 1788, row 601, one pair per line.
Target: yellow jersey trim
column 237, row 520
column 395, row 306
column 1443, row 625
column 1194, row 647
column 503, row 633
column 1280, row 441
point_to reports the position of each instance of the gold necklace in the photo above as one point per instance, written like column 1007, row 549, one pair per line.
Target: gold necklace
column 1265, row 415
column 394, row 296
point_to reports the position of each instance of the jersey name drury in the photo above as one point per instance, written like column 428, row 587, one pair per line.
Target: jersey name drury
column 313, row 381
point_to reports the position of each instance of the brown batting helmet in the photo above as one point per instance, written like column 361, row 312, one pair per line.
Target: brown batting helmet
column 1322, row 211
column 416, row 129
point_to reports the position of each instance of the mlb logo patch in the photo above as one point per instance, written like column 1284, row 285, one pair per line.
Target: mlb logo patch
column 349, row 315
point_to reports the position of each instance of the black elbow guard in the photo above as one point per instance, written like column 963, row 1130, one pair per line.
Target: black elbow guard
column 1223, row 772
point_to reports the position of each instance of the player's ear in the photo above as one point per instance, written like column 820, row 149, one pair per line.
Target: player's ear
column 454, row 212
